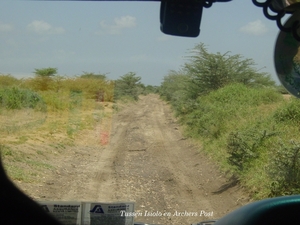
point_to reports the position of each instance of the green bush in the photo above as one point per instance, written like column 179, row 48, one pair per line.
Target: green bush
column 245, row 146
column 212, row 114
column 207, row 120
column 284, row 169
column 16, row 98
column 290, row 112
column 237, row 127
column 242, row 95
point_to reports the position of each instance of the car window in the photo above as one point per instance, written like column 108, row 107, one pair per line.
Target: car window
column 98, row 105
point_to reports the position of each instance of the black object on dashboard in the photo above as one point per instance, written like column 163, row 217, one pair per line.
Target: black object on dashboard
column 273, row 211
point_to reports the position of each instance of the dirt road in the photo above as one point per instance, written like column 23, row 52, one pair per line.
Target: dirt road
column 148, row 161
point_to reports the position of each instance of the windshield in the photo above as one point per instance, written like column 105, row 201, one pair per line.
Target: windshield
column 98, row 105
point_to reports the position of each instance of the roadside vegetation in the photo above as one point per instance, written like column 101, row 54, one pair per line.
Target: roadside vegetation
column 241, row 118
column 42, row 115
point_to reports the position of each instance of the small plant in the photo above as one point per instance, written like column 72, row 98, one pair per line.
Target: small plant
column 284, row 169
column 244, row 147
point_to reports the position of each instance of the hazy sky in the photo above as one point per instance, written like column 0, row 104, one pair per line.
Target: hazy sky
column 119, row 37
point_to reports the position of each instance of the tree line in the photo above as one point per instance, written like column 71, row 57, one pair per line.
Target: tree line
column 94, row 85
column 205, row 72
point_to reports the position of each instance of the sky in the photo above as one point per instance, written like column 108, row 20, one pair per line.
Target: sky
column 115, row 38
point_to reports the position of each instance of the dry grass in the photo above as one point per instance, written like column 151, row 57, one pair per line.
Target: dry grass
column 31, row 140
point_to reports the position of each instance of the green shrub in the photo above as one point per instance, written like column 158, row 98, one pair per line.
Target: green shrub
column 284, row 169
column 245, row 146
column 290, row 112
column 242, row 95
column 237, row 127
column 212, row 115
column 208, row 120
column 16, row 98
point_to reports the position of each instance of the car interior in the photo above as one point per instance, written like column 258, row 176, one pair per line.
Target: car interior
column 183, row 18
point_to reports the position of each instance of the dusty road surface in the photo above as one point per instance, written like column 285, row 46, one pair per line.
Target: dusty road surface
column 144, row 159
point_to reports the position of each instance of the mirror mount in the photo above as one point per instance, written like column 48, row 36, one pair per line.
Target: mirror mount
column 279, row 9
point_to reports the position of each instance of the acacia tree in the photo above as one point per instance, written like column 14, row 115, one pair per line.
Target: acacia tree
column 43, row 78
column 175, row 81
column 209, row 71
column 45, row 72
column 128, row 85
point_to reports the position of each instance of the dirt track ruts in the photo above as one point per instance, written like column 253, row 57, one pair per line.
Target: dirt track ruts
column 148, row 161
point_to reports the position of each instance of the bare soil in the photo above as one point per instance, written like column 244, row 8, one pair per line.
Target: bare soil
column 143, row 157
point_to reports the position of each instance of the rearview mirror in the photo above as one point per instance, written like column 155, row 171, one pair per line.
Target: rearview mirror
column 181, row 17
